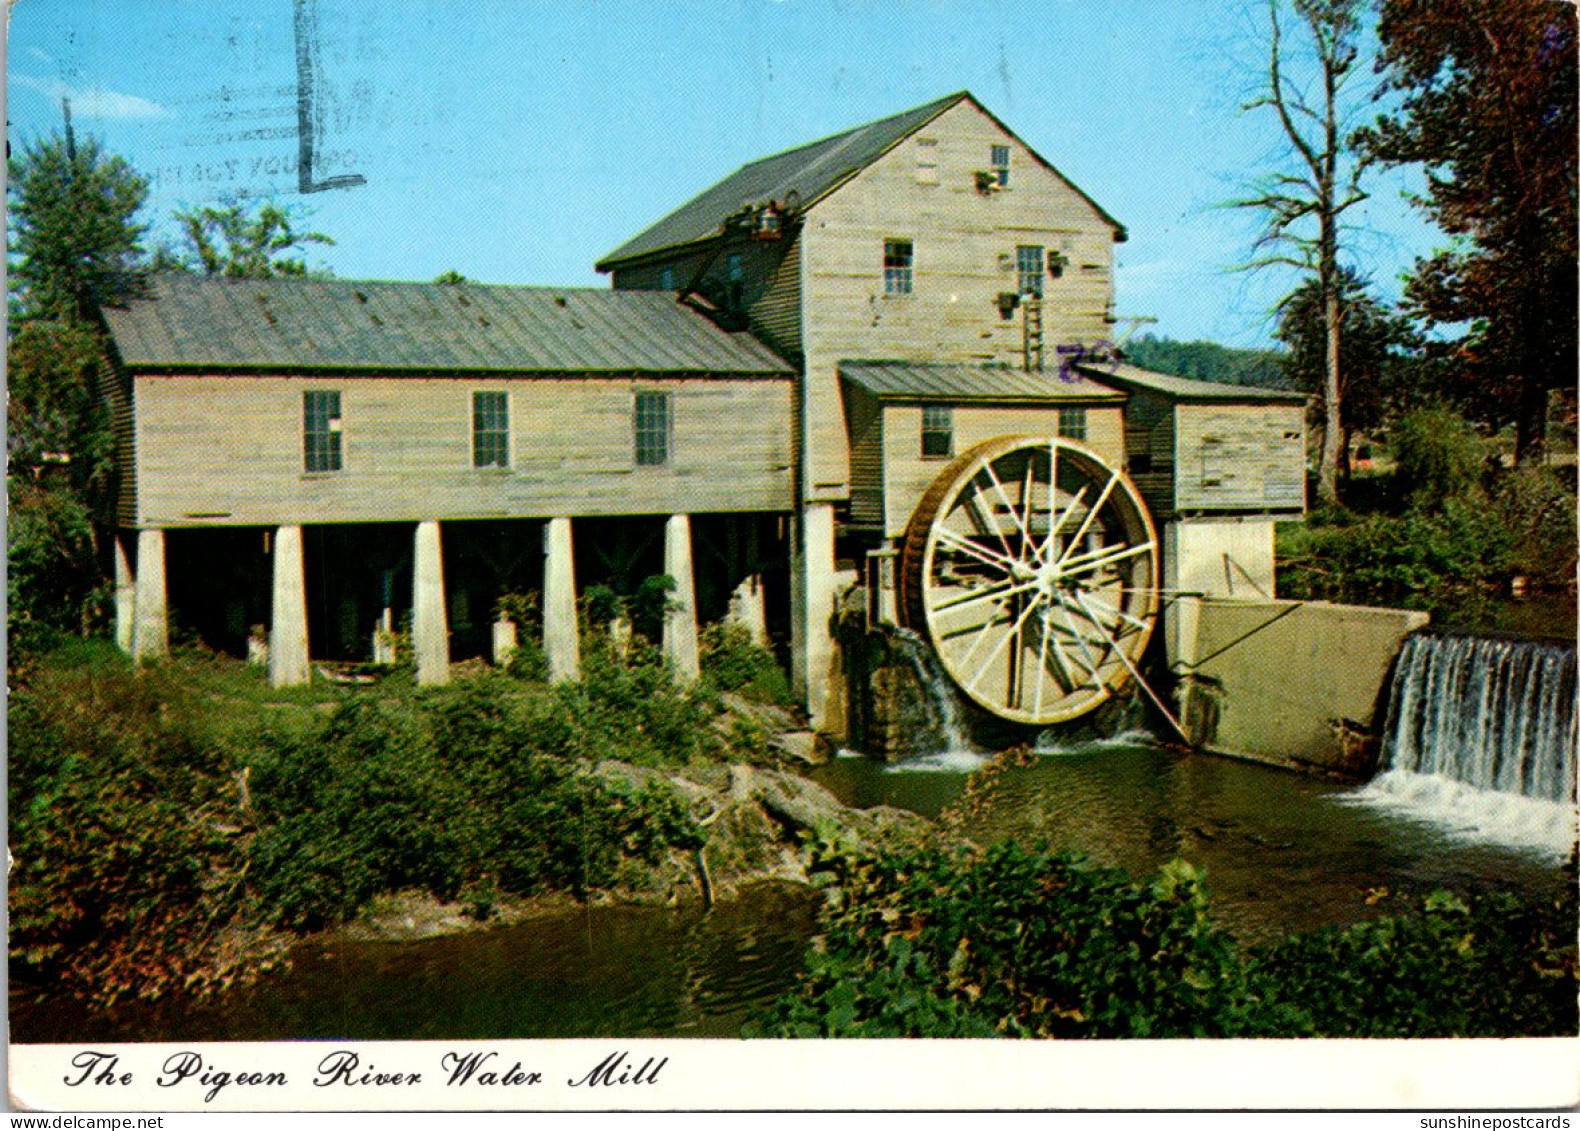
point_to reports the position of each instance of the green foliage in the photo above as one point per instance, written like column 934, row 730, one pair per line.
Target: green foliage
column 731, row 662
column 629, row 707
column 1437, row 455
column 1208, row 361
column 53, row 581
column 73, row 227
column 452, row 278
column 239, row 241
column 1013, row 942
column 529, row 660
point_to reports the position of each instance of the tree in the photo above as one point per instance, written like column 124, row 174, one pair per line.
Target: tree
column 1489, row 111
column 73, row 227
column 1371, row 366
column 1303, row 203
column 232, row 242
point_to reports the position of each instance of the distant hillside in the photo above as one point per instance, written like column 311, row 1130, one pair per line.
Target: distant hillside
column 1208, row 361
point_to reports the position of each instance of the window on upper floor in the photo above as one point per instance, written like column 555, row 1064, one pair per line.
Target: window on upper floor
column 321, row 430
column 490, row 429
column 653, row 428
column 735, row 267
column 666, row 279
column 897, row 255
column 1028, row 267
column 938, row 431
column 1072, row 423
column 1000, row 165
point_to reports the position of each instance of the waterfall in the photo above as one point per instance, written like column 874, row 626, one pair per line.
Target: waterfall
column 933, row 726
column 1480, row 735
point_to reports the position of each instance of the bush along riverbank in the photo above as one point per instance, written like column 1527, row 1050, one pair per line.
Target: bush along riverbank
column 1028, row 943
column 179, row 827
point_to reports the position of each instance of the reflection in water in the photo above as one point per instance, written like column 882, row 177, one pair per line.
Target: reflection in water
column 627, row 971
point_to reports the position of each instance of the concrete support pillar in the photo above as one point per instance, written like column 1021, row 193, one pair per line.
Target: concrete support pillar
column 749, row 609
column 430, row 630
column 288, row 612
column 561, row 636
column 680, row 617
column 813, row 660
column 504, row 641
column 125, row 596
column 150, row 608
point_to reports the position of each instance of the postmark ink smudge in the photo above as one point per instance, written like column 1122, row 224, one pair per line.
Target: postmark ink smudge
column 307, row 68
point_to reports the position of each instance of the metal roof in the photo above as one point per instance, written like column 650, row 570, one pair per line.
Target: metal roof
column 810, row 171
column 1186, row 389
column 905, row 380
column 189, row 322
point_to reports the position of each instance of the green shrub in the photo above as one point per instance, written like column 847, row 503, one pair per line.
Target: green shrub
column 1025, row 943
column 1437, row 455
column 733, row 663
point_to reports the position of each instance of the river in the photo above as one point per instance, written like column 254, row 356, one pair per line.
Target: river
column 1282, row 852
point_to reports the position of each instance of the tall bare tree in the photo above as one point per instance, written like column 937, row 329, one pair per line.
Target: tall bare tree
column 1303, row 202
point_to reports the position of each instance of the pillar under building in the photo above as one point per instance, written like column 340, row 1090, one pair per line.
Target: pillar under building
column 150, row 604
column 288, row 660
column 749, row 609
column 561, row 637
column 813, row 642
column 430, row 631
column 125, row 596
column 680, row 614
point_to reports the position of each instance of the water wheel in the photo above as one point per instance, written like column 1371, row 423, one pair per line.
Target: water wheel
column 1031, row 567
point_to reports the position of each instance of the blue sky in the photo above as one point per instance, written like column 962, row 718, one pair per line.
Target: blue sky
column 517, row 142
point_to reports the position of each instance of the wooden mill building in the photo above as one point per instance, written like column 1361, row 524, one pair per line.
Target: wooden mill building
column 753, row 408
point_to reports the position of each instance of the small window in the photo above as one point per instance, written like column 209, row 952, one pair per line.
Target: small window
column 897, row 267
column 1028, row 266
column 666, row 279
column 938, row 431
column 321, row 430
column 490, row 429
column 1072, row 423
column 1001, row 165
column 735, row 267
column 652, row 429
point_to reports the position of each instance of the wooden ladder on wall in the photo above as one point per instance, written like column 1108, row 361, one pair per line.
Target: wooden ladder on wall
column 1031, row 332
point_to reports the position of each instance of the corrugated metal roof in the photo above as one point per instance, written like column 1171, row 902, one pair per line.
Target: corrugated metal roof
column 905, row 380
column 809, row 171
column 317, row 324
column 1186, row 389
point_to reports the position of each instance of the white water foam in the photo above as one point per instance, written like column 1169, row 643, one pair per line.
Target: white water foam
column 1047, row 743
column 946, row 762
column 1529, row 824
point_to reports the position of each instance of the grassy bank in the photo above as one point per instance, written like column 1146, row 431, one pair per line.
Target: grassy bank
column 174, row 827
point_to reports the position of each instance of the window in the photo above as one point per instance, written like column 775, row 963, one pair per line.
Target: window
column 896, row 267
column 1028, row 265
column 652, row 429
column 938, row 431
column 1072, row 423
column 490, row 429
column 1001, row 165
column 321, row 430
column 735, row 267
column 666, row 279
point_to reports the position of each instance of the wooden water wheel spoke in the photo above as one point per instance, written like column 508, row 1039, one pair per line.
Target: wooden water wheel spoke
column 1034, row 625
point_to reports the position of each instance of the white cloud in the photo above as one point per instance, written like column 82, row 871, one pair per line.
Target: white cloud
column 41, row 55
column 96, row 102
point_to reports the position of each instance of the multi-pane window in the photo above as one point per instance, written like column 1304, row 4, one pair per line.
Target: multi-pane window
column 1072, row 423
column 1000, row 157
column 938, row 431
column 652, row 429
column 896, row 267
column 1028, row 266
column 321, row 430
column 490, row 429
column 735, row 267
